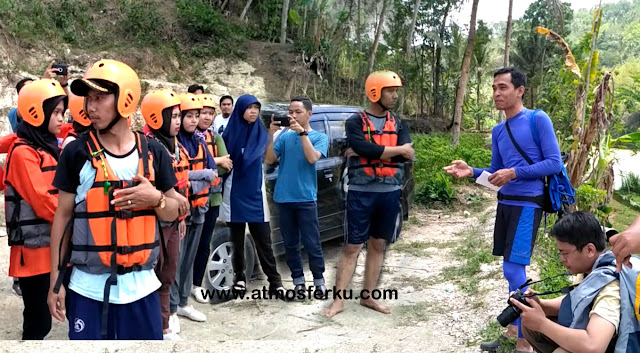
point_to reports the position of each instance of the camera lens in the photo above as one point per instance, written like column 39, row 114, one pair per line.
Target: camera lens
column 508, row 315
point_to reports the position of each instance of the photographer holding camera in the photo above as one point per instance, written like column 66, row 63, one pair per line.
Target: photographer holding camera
column 298, row 150
column 587, row 319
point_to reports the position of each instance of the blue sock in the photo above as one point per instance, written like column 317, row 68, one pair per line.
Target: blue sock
column 516, row 275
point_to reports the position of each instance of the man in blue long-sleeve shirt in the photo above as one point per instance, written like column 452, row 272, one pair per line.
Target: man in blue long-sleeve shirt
column 517, row 221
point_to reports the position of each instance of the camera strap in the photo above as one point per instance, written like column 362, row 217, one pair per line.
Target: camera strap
column 564, row 290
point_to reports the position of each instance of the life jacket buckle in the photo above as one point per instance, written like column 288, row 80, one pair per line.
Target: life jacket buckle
column 380, row 165
column 125, row 250
column 124, row 214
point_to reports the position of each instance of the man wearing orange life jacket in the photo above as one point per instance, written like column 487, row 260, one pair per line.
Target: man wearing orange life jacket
column 161, row 112
column 218, row 150
column 378, row 145
column 31, row 200
column 114, row 187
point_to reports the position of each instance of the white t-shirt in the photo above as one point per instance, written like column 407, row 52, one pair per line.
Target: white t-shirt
column 220, row 123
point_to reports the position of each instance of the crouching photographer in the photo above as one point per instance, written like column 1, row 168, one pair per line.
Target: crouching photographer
column 588, row 317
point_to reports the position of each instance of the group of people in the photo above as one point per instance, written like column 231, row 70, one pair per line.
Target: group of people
column 600, row 313
column 110, row 228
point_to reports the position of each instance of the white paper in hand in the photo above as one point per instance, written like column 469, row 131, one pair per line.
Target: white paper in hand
column 483, row 180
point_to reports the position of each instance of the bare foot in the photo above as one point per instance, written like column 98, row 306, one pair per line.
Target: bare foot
column 334, row 309
column 372, row 304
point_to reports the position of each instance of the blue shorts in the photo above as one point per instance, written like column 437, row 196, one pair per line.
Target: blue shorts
column 515, row 231
column 140, row 320
column 372, row 214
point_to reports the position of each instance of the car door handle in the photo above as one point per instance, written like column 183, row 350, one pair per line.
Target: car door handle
column 328, row 174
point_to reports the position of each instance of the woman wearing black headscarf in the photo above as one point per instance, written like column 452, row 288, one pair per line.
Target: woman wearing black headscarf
column 31, row 200
column 244, row 200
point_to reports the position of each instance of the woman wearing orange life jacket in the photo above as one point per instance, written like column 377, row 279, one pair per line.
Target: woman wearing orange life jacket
column 161, row 112
column 201, row 175
column 218, row 150
column 31, row 200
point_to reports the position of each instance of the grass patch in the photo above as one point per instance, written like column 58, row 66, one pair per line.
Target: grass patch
column 546, row 256
column 418, row 283
column 412, row 314
column 420, row 248
column 622, row 215
column 472, row 251
column 489, row 333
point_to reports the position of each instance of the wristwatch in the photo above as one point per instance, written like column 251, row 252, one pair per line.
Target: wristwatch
column 304, row 133
column 162, row 202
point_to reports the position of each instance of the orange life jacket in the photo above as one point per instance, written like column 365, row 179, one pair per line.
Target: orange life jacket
column 105, row 238
column 181, row 168
column 197, row 163
column 24, row 227
column 213, row 150
column 367, row 170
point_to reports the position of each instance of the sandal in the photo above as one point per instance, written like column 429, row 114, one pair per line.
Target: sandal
column 493, row 346
column 239, row 286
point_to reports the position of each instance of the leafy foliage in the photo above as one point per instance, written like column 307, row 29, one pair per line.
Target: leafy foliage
column 434, row 152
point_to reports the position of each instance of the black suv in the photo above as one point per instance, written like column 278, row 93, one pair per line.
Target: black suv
column 332, row 192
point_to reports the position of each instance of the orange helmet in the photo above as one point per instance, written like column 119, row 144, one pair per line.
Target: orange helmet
column 189, row 101
column 378, row 80
column 76, row 108
column 33, row 95
column 117, row 73
column 207, row 100
column 154, row 103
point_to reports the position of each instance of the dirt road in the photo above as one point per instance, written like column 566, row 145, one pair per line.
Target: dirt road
column 431, row 314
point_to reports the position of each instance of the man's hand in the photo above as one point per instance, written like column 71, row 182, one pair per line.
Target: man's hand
column 531, row 292
column 502, row 177
column 63, row 80
column 407, row 151
column 350, row 153
column 273, row 127
column 56, row 303
column 182, row 229
column 183, row 204
column 224, row 162
column 625, row 244
column 49, row 72
column 459, row 169
column 142, row 195
column 294, row 125
column 532, row 317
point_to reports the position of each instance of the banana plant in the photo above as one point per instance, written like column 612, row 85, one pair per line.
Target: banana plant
column 602, row 175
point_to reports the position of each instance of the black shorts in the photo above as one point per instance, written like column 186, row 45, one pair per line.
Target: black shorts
column 515, row 232
column 372, row 214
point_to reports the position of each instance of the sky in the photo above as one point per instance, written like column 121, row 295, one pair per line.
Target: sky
column 498, row 10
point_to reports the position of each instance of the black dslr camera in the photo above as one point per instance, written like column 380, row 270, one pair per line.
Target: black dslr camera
column 512, row 312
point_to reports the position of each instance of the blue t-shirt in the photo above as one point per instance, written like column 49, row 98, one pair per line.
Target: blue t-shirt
column 504, row 155
column 297, row 179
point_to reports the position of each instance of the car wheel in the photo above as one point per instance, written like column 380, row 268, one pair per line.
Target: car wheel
column 397, row 232
column 219, row 273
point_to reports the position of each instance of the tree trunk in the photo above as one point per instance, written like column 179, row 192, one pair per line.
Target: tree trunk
column 283, row 21
column 244, row 11
column 507, row 48
column 407, row 50
column 478, row 84
column 412, row 26
column 304, row 22
column 437, row 102
column 359, row 30
column 374, row 46
column 464, row 76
